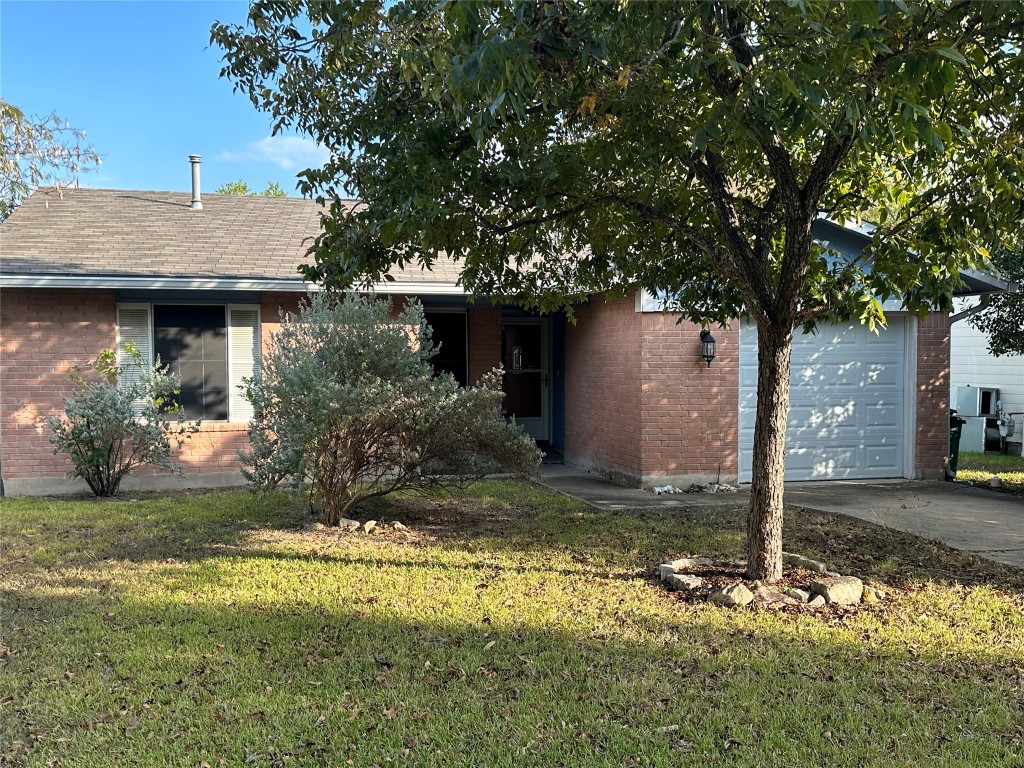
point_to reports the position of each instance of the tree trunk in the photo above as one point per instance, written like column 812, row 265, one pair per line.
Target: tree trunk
column 764, row 517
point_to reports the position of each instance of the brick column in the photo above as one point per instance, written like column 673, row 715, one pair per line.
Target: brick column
column 932, row 406
column 484, row 348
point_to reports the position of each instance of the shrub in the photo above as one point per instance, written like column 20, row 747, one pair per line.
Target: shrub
column 347, row 401
column 120, row 419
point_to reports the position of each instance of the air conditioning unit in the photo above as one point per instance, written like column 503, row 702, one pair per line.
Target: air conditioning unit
column 972, row 434
column 976, row 401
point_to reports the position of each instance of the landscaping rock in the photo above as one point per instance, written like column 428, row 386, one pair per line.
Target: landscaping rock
column 816, row 602
column 734, row 594
column 799, row 561
column 399, row 527
column 349, row 525
column 660, row 489
column 369, row 526
column 683, row 582
column 800, row 595
column 711, row 488
column 665, row 570
column 313, row 525
column 686, row 563
column 873, row 594
column 842, row 590
column 771, row 596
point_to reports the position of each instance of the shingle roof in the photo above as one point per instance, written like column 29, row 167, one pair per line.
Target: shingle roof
column 110, row 232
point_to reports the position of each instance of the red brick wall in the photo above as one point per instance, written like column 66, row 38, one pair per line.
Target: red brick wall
column 689, row 410
column 484, row 328
column 932, row 408
column 271, row 305
column 43, row 334
column 603, row 359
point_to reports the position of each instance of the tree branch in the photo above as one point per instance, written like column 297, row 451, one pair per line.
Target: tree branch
column 749, row 271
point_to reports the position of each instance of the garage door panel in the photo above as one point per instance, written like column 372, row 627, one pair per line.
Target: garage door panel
column 816, row 420
column 748, row 409
column 846, row 411
column 839, row 461
column 748, row 376
column 828, row 376
column 883, row 377
column 842, row 377
column 881, row 457
column 884, row 415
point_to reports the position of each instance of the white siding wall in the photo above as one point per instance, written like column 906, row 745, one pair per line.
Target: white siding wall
column 972, row 365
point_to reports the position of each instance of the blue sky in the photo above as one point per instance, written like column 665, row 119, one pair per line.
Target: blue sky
column 142, row 80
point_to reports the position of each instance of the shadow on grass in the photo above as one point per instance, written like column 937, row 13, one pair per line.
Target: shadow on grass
column 521, row 520
column 184, row 525
column 158, row 683
column 490, row 517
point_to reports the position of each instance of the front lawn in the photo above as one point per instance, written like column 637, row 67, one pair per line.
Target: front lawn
column 508, row 626
column 980, row 467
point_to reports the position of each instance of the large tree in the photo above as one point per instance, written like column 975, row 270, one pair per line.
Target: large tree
column 38, row 151
column 563, row 147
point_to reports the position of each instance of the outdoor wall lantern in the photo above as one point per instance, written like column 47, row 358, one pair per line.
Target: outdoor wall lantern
column 707, row 346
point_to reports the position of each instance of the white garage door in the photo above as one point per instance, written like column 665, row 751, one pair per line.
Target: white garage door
column 846, row 412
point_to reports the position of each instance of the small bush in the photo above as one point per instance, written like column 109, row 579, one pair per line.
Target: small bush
column 120, row 419
column 347, row 401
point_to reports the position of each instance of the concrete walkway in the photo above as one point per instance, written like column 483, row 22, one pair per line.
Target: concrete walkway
column 975, row 520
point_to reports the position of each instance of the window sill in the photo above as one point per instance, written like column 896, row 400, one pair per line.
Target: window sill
column 221, row 426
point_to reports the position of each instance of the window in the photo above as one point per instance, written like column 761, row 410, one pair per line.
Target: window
column 450, row 334
column 192, row 341
column 212, row 348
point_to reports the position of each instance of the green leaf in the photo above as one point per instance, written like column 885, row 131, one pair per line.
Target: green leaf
column 951, row 53
column 497, row 102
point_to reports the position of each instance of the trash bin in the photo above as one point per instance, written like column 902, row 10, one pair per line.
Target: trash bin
column 956, row 425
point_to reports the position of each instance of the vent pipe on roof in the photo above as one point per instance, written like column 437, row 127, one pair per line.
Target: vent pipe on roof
column 197, row 203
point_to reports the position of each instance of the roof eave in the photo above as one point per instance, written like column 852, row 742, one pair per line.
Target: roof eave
column 978, row 283
column 156, row 282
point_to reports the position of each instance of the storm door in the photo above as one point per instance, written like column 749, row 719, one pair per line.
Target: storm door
column 525, row 355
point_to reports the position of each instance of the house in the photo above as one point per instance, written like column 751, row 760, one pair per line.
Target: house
column 623, row 391
column 973, row 366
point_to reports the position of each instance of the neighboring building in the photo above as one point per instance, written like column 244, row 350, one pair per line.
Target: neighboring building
column 623, row 391
column 972, row 365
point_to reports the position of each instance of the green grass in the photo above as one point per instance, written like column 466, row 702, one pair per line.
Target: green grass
column 980, row 467
column 510, row 626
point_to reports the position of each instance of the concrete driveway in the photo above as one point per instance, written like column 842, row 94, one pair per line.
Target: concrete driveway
column 975, row 520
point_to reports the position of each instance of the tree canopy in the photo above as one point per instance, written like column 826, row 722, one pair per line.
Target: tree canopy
column 675, row 144
column 1003, row 317
column 242, row 188
column 36, row 152
column 561, row 148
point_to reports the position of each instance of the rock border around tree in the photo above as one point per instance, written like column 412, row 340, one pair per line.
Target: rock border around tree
column 806, row 583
